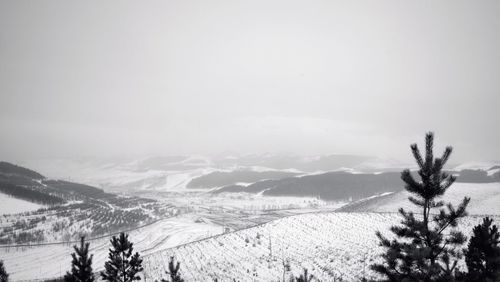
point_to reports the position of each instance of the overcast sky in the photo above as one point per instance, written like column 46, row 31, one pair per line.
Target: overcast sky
column 132, row 78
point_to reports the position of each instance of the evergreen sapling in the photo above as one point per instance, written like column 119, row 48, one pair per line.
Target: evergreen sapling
column 4, row 276
column 424, row 248
column 482, row 255
column 81, row 264
column 173, row 271
column 122, row 266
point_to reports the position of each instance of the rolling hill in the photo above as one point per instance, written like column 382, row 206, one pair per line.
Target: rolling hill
column 29, row 185
column 485, row 199
column 222, row 178
column 55, row 210
column 174, row 173
column 343, row 185
column 39, row 262
column 331, row 245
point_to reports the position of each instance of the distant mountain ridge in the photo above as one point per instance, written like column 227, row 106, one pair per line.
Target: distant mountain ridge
column 173, row 173
column 29, row 194
column 221, row 178
column 301, row 163
column 327, row 186
column 341, row 185
column 7, row 169
column 27, row 184
column 176, row 173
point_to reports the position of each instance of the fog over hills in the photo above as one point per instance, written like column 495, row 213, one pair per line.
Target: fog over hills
column 332, row 177
column 172, row 172
column 254, row 141
column 210, row 202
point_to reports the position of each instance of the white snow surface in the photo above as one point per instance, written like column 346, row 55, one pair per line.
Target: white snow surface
column 115, row 176
column 47, row 261
column 485, row 199
column 493, row 171
column 476, row 165
column 11, row 205
column 331, row 245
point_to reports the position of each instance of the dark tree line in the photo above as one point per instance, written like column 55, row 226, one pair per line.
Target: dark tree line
column 28, row 194
column 11, row 169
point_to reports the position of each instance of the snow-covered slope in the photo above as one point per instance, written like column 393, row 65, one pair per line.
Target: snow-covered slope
column 123, row 176
column 485, row 199
column 330, row 245
column 10, row 205
column 53, row 260
column 173, row 173
column 476, row 165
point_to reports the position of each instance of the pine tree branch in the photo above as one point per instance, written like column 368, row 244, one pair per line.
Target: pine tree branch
column 416, row 154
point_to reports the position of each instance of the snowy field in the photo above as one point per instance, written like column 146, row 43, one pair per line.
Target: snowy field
column 10, row 205
column 116, row 176
column 28, row 263
column 331, row 245
column 245, row 201
column 485, row 199
column 290, row 230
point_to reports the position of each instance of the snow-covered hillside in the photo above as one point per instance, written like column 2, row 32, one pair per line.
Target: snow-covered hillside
column 330, row 245
column 485, row 199
column 123, row 175
column 11, row 205
column 53, row 260
column 173, row 173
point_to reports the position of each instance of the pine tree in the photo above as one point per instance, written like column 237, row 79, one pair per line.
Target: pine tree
column 306, row 277
column 425, row 249
column 482, row 255
column 4, row 277
column 173, row 271
column 81, row 265
column 122, row 265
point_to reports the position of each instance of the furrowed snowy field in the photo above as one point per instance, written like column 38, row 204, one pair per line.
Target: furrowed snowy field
column 331, row 245
column 48, row 261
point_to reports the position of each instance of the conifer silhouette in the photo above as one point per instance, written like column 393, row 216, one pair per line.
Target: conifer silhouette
column 305, row 277
column 482, row 255
column 173, row 271
column 81, row 265
column 4, row 277
column 122, row 266
column 424, row 248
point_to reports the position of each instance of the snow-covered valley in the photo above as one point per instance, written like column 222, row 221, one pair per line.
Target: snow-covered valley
column 222, row 232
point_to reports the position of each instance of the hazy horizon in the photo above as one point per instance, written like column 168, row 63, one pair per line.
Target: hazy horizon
column 130, row 79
